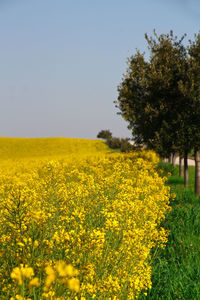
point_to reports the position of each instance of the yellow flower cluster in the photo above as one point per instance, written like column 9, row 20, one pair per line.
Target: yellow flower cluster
column 63, row 273
column 19, row 273
column 80, row 228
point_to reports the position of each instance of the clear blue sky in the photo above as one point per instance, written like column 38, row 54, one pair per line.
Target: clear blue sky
column 62, row 60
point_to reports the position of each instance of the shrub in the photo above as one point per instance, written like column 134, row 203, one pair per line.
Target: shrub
column 104, row 134
column 122, row 144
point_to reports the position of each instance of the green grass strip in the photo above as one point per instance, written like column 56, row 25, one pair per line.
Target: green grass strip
column 176, row 268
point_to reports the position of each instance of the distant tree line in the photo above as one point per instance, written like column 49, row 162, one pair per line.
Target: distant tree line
column 160, row 98
column 122, row 144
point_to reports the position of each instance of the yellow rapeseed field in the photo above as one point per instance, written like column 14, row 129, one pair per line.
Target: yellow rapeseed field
column 76, row 220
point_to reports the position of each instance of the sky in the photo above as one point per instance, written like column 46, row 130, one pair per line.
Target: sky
column 61, row 61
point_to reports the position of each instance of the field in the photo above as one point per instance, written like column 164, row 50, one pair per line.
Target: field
column 47, row 148
column 77, row 220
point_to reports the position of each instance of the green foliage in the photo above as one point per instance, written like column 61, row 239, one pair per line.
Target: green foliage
column 176, row 269
column 120, row 143
column 160, row 98
column 104, row 134
column 125, row 145
column 191, row 154
column 166, row 168
column 194, row 91
column 116, row 143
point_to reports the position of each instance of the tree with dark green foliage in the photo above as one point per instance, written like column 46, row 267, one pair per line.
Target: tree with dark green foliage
column 104, row 134
column 194, row 94
column 132, row 97
column 171, row 63
column 153, row 100
column 122, row 144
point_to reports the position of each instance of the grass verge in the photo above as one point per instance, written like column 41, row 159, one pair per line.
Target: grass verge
column 176, row 268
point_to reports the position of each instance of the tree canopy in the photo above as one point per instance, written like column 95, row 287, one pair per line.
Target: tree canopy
column 156, row 96
column 104, row 134
column 160, row 97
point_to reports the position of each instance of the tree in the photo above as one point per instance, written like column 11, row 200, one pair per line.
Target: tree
column 132, row 97
column 194, row 63
column 152, row 99
column 104, row 134
column 122, row 144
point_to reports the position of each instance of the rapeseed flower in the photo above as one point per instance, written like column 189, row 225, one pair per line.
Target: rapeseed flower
column 80, row 226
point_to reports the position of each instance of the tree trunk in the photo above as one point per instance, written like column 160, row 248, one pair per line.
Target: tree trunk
column 173, row 159
column 170, row 158
column 186, row 173
column 180, row 166
column 197, row 172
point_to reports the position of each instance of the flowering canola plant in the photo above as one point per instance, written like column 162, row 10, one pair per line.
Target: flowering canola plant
column 79, row 226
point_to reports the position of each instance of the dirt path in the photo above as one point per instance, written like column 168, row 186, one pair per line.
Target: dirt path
column 191, row 161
